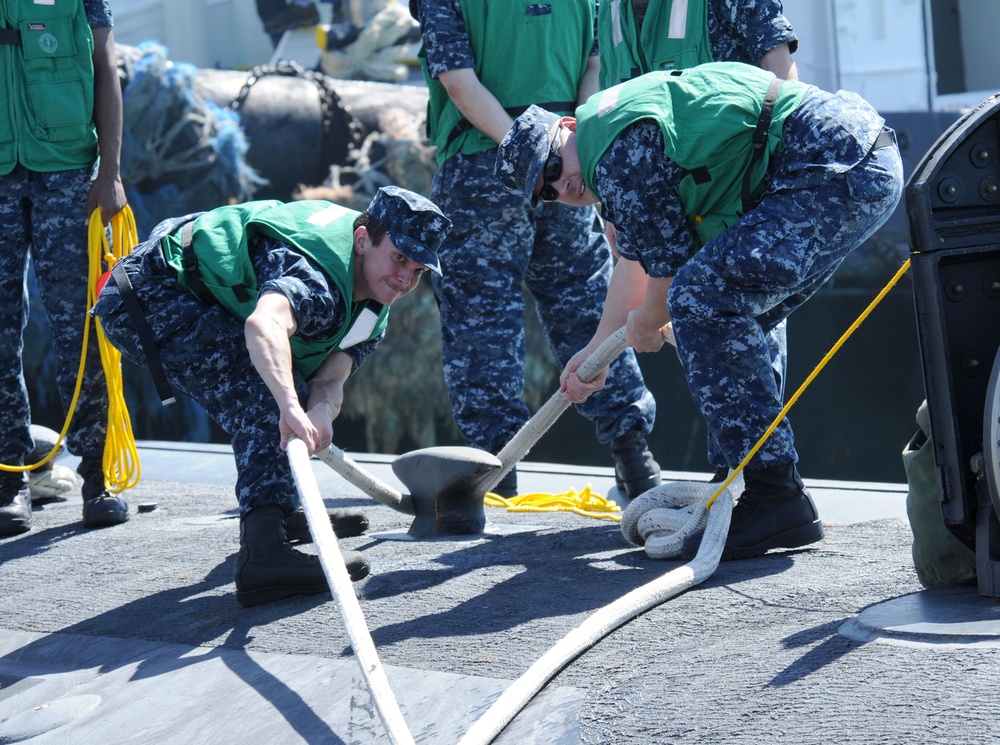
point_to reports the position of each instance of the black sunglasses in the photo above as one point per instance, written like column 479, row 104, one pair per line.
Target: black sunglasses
column 551, row 173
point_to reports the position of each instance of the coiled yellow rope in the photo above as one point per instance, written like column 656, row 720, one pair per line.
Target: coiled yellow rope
column 121, row 460
column 587, row 503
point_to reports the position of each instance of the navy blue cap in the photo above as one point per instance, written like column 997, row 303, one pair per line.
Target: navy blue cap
column 414, row 223
column 524, row 150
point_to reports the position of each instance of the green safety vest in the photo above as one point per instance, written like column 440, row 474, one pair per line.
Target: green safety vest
column 708, row 116
column 46, row 86
column 674, row 35
column 320, row 230
column 526, row 53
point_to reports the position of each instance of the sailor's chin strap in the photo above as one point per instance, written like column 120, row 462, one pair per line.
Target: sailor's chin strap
column 660, row 519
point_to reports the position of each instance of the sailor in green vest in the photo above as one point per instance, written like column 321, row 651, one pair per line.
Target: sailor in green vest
column 485, row 61
column 260, row 312
column 736, row 196
column 640, row 36
column 62, row 108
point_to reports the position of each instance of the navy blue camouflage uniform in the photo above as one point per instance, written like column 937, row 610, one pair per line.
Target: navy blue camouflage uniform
column 745, row 31
column 497, row 242
column 828, row 191
column 204, row 352
column 45, row 212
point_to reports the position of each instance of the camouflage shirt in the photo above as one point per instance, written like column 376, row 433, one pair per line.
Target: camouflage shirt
column 826, row 135
column 316, row 301
column 98, row 13
column 746, row 30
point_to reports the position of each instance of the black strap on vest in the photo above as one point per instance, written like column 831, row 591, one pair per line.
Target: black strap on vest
column 193, row 276
column 759, row 141
column 189, row 262
column 464, row 125
column 146, row 339
column 10, row 37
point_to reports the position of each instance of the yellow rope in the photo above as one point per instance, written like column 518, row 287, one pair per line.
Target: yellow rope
column 791, row 402
column 587, row 503
column 121, row 458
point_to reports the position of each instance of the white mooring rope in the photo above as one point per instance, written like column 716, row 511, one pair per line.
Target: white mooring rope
column 658, row 520
column 685, row 494
column 343, row 593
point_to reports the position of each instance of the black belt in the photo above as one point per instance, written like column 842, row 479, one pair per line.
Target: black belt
column 146, row 339
column 10, row 36
column 190, row 264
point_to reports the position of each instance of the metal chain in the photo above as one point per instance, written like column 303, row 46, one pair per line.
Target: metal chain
column 330, row 104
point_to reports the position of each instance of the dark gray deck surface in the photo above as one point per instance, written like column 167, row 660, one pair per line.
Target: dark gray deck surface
column 133, row 634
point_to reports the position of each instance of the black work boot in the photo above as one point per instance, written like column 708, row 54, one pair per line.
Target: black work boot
column 268, row 568
column 774, row 511
column 720, row 474
column 635, row 470
column 15, row 504
column 345, row 523
column 100, row 507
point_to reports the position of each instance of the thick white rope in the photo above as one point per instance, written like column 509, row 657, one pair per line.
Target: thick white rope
column 660, row 519
column 354, row 474
column 610, row 617
column 343, row 593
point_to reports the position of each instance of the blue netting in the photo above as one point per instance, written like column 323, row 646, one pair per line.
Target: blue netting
column 180, row 153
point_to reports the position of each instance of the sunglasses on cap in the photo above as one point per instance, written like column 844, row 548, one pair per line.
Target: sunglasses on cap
column 551, row 173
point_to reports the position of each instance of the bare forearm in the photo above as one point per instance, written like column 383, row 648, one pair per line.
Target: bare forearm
column 626, row 292
column 107, row 191
column 326, row 388
column 779, row 61
column 476, row 103
column 271, row 355
column 590, row 81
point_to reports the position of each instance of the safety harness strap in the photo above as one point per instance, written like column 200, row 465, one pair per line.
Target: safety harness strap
column 759, row 142
column 146, row 339
column 190, row 264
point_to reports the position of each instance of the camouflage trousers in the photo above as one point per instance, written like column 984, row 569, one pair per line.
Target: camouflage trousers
column 42, row 214
column 740, row 285
column 204, row 355
column 497, row 245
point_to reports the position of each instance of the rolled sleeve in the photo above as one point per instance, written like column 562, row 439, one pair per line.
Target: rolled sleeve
column 744, row 31
column 316, row 303
column 98, row 13
column 446, row 42
column 361, row 352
